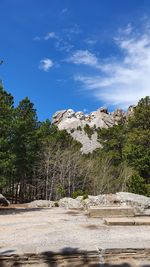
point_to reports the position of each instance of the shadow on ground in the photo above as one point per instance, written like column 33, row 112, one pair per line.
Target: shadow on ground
column 10, row 211
column 67, row 257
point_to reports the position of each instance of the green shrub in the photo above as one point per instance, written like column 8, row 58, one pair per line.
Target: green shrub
column 56, row 204
column 136, row 185
column 79, row 128
column 148, row 190
column 61, row 191
column 80, row 193
column 88, row 130
column 72, row 130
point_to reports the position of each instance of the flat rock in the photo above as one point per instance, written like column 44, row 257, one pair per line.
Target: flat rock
column 119, row 221
column 127, row 221
column 142, row 220
column 111, row 211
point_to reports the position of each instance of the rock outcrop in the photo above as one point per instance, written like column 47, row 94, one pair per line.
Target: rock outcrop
column 41, row 204
column 76, row 124
column 134, row 200
column 120, row 198
column 4, row 201
column 138, row 202
column 70, row 203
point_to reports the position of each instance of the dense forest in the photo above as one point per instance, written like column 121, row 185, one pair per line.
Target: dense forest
column 37, row 161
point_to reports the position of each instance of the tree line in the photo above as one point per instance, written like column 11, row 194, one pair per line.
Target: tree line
column 37, row 161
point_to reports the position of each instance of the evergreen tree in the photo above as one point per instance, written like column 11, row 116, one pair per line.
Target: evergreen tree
column 137, row 147
column 141, row 118
column 25, row 144
column 6, row 122
column 112, row 140
column 39, row 161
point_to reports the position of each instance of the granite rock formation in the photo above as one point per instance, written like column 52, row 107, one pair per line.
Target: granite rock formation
column 41, row 204
column 138, row 202
column 76, row 122
column 4, row 201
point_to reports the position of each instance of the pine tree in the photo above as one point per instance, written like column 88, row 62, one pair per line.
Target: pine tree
column 137, row 148
column 25, row 144
column 112, row 140
column 6, row 121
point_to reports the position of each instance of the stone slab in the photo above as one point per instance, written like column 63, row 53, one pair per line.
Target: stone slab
column 146, row 212
column 142, row 220
column 111, row 211
column 119, row 221
column 127, row 221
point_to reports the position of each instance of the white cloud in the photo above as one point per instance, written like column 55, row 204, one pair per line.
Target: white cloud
column 50, row 35
column 62, row 45
column 61, row 80
column 126, row 30
column 64, row 11
column 124, row 81
column 46, row 64
column 83, row 57
column 75, row 29
column 90, row 41
column 37, row 38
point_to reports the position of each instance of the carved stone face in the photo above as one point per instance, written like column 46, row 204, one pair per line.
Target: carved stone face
column 92, row 115
column 103, row 110
column 70, row 113
column 80, row 115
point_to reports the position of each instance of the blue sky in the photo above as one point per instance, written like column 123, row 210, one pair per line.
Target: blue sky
column 79, row 54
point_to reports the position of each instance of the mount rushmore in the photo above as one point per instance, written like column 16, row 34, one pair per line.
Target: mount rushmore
column 75, row 123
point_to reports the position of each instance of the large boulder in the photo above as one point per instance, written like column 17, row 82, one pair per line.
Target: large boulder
column 95, row 201
column 133, row 200
column 70, row 203
column 4, row 201
column 140, row 203
column 41, row 204
column 101, row 200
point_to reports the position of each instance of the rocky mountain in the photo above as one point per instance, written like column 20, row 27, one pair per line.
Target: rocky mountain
column 83, row 126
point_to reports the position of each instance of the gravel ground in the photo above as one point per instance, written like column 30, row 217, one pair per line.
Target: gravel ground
column 40, row 230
